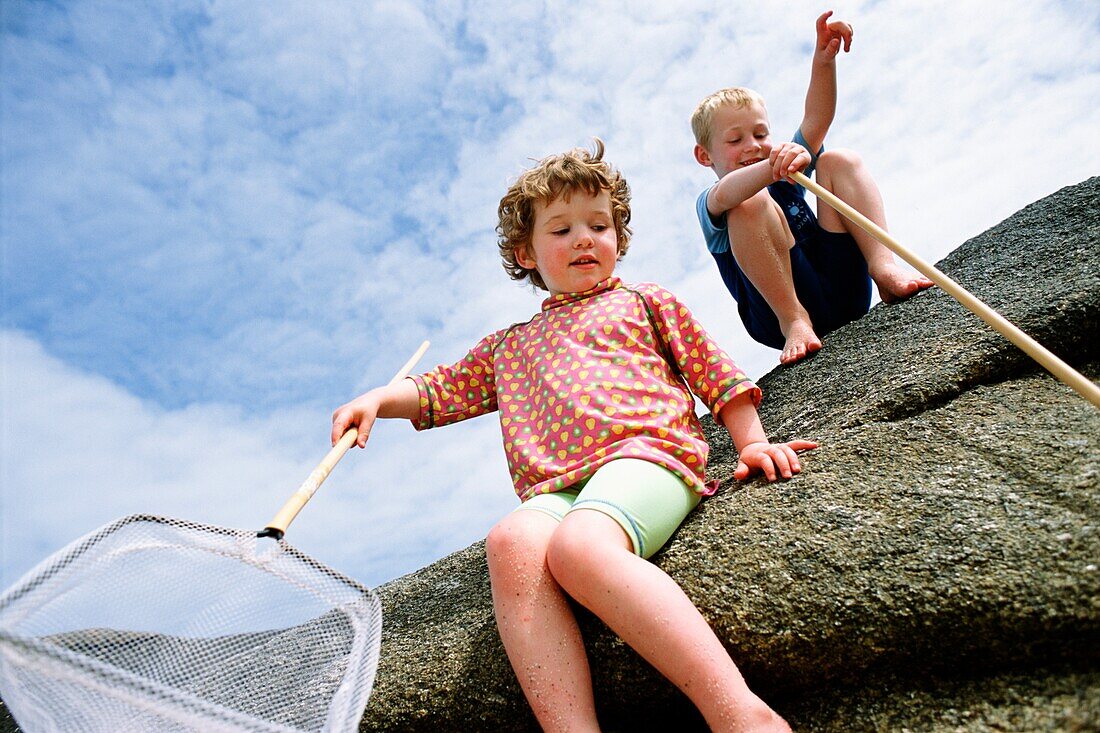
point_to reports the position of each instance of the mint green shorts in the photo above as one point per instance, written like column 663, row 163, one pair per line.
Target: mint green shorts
column 647, row 500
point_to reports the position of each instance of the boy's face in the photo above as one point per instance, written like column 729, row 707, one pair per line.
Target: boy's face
column 740, row 136
column 573, row 242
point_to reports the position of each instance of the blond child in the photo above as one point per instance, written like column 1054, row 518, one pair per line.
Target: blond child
column 604, row 448
column 795, row 277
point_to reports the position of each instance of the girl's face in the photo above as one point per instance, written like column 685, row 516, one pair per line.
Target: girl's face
column 573, row 242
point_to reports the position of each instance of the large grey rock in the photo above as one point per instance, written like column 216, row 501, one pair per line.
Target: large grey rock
column 934, row 567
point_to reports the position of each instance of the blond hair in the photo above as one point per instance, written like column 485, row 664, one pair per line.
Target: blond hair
column 703, row 117
column 554, row 176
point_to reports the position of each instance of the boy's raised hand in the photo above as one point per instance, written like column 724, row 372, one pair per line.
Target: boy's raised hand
column 830, row 34
column 773, row 459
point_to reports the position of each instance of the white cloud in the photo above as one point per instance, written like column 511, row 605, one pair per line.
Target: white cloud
column 260, row 213
column 78, row 452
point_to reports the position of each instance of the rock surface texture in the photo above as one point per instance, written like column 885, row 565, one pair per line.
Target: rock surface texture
column 935, row 566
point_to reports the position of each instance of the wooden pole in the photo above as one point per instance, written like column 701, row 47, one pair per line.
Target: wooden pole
column 277, row 527
column 1063, row 371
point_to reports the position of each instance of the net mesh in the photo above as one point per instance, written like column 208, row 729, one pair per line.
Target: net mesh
column 159, row 624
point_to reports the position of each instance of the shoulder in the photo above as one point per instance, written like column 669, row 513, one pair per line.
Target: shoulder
column 710, row 222
column 701, row 200
column 654, row 294
column 489, row 344
column 516, row 329
column 715, row 231
column 645, row 289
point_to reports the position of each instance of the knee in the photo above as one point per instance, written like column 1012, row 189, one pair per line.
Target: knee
column 839, row 161
column 510, row 538
column 754, row 212
column 567, row 554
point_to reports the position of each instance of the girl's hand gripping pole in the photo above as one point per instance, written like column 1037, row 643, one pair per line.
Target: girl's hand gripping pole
column 277, row 527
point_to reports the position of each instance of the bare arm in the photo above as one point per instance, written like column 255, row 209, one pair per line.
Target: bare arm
column 754, row 451
column 821, row 94
column 738, row 186
column 400, row 399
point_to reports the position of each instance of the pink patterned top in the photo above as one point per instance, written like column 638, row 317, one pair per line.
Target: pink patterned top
column 585, row 382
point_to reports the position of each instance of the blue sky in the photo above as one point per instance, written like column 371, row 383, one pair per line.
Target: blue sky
column 221, row 220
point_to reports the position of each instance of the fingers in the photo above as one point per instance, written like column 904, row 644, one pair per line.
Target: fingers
column 778, row 158
column 340, row 423
column 831, row 35
column 789, row 457
column 786, row 159
column 843, row 32
column 767, row 465
column 345, row 419
column 774, row 460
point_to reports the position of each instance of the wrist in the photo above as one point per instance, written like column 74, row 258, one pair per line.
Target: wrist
column 751, row 443
column 401, row 399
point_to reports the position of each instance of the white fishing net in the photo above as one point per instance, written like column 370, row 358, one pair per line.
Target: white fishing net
column 153, row 624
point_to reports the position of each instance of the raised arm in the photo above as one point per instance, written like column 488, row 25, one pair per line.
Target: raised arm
column 821, row 95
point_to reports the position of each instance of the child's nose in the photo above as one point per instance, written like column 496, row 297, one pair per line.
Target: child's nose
column 584, row 239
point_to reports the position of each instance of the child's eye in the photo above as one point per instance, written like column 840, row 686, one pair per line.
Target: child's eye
column 735, row 141
column 560, row 232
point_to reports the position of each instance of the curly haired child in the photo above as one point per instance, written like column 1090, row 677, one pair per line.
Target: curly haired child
column 605, row 451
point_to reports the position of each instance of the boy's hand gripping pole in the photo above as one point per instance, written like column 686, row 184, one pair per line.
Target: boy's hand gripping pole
column 277, row 527
column 1063, row 371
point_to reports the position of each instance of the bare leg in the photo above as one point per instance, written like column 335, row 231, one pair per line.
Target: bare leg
column 590, row 557
column 537, row 625
column 843, row 173
column 762, row 250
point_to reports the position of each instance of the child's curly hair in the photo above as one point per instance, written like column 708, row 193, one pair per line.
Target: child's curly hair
column 554, row 176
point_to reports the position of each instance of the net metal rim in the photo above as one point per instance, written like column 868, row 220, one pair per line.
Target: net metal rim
column 358, row 604
column 63, row 559
column 131, row 688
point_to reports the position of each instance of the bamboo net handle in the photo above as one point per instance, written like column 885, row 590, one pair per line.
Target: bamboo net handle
column 1063, row 371
column 277, row 527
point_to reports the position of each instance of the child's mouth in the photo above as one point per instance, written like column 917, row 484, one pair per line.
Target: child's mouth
column 584, row 262
column 751, row 162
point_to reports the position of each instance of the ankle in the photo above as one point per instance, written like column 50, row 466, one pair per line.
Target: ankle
column 796, row 321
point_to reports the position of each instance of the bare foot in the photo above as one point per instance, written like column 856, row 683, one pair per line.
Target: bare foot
column 801, row 342
column 896, row 284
